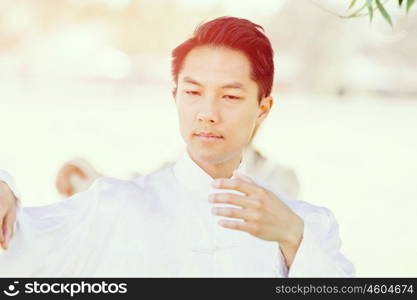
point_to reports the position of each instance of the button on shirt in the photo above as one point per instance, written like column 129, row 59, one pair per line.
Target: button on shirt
column 160, row 225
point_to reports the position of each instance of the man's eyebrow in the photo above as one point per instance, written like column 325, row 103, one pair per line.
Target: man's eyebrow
column 232, row 85
column 192, row 81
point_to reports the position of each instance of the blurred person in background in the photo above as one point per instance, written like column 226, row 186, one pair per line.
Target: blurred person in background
column 77, row 175
column 204, row 216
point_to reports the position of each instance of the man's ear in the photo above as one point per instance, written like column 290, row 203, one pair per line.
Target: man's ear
column 265, row 107
column 174, row 93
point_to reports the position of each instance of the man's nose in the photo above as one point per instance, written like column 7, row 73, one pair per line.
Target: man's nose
column 209, row 111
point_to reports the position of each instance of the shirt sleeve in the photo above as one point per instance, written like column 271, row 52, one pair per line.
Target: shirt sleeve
column 82, row 236
column 46, row 237
column 319, row 252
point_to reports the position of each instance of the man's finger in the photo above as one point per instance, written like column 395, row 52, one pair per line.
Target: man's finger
column 238, row 200
column 3, row 228
column 238, row 185
column 237, row 174
column 10, row 220
column 238, row 213
column 248, row 227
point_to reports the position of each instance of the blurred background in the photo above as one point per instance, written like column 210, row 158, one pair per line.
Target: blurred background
column 91, row 79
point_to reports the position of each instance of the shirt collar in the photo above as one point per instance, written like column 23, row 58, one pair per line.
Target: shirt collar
column 194, row 177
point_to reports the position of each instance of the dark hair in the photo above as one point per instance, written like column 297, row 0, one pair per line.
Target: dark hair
column 237, row 34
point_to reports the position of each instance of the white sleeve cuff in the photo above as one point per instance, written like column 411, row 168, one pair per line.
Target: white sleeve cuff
column 320, row 258
column 280, row 265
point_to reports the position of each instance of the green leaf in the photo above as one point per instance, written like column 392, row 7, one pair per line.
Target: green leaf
column 352, row 3
column 383, row 12
column 409, row 4
column 370, row 10
column 400, row 2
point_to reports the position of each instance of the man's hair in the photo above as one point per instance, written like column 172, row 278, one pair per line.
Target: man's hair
column 236, row 34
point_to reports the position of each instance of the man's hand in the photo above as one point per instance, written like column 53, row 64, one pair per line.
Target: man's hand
column 63, row 180
column 7, row 214
column 259, row 212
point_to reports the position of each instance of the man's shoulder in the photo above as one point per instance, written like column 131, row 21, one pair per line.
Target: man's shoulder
column 160, row 176
column 105, row 186
column 110, row 184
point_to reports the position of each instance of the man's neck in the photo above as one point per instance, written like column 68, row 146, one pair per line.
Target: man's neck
column 219, row 170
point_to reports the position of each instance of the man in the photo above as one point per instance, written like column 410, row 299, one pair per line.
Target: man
column 204, row 216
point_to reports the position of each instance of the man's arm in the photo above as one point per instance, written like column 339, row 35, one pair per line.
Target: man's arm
column 10, row 197
column 49, row 240
column 9, row 204
column 308, row 235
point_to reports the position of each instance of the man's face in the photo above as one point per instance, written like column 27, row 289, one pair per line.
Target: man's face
column 217, row 103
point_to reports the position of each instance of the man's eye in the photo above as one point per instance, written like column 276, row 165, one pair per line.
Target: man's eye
column 194, row 93
column 231, row 97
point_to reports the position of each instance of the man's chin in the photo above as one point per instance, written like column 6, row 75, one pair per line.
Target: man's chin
column 209, row 157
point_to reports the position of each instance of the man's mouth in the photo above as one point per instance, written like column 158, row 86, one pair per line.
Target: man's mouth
column 208, row 136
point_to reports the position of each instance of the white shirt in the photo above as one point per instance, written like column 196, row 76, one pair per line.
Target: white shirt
column 160, row 225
